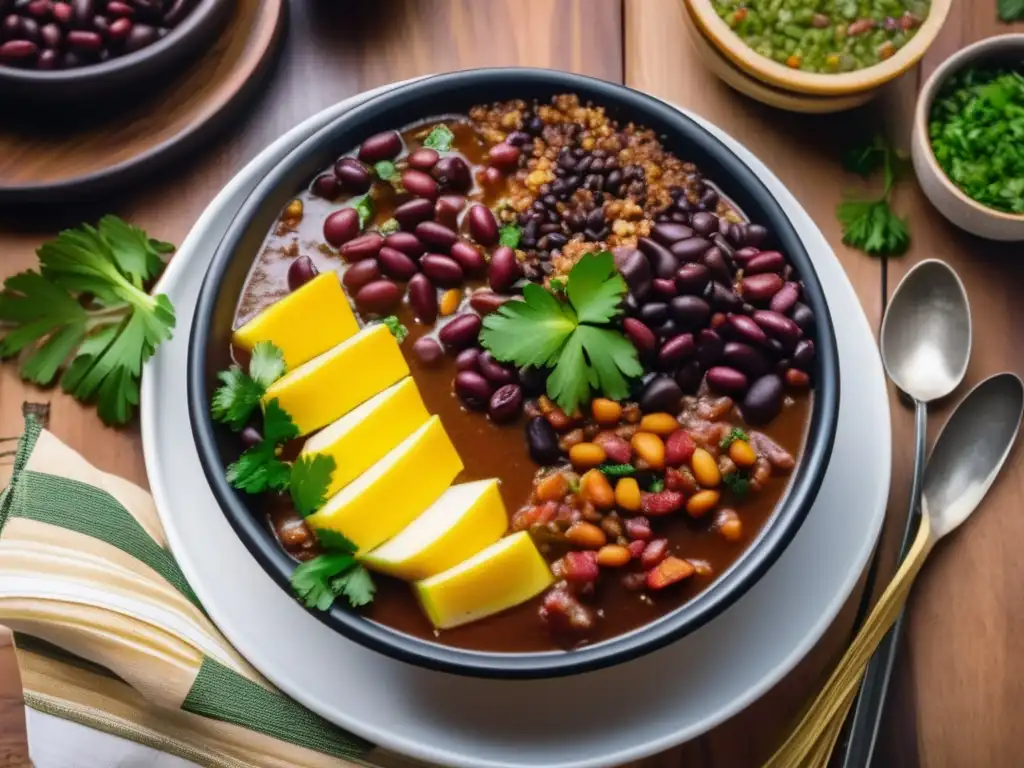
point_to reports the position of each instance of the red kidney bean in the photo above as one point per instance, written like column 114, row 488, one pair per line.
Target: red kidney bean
column 140, row 36
column 423, row 159
column 728, row 381
column 653, row 313
column 663, row 263
column 654, row 553
column 452, row 172
column 300, row 272
column 784, row 300
column 504, row 269
column 486, row 302
column 115, row 8
column 353, row 176
column 669, row 232
column 62, row 13
column 80, row 40
column 47, row 59
column 506, row 404
column 447, row 209
column 473, row 390
column 420, row 184
column 396, row 264
column 803, row 354
column 642, row 337
column 754, row 234
column 363, row 247
column 665, row 288
column 428, row 351
column 724, row 298
column 765, row 261
column 468, row 257
column 359, row 274
column 483, row 227
column 437, row 235
column 690, row 311
column 327, row 186
column 743, row 255
column 714, row 260
column 691, row 249
column 542, row 441
column 763, row 401
column 761, row 288
column 460, row 332
column 39, row 8
column 410, row 214
column 746, row 328
column 443, row 270
column 797, row 379
column 676, row 350
column 490, row 177
column 692, row 279
column 635, row 269
column 341, row 226
column 504, row 156
column 662, row 394
column 16, row 51
column 423, row 299
column 704, row 224
column 636, row 549
column 51, row 35
column 743, row 357
column 497, row 372
column 379, row 297
column 709, row 347
column 82, row 12
column 639, row 528
column 802, row 315
column 406, row 242
column 119, row 30
column 468, row 359
column 382, row 146
column 778, row 326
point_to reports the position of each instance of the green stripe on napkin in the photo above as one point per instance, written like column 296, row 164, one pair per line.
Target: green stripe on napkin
column 222, row 694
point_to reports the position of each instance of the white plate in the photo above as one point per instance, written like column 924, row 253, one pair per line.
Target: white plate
column 601, row 718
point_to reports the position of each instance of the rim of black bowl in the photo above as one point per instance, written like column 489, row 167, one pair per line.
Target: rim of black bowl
column 196, row 19
column 454, row 93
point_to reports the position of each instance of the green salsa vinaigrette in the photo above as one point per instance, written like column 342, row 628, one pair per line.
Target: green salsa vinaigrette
column 825, row 36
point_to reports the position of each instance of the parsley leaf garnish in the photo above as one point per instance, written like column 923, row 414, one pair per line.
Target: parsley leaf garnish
column 311, row 477
column 737, row 482
column 239, row 394
column 440, row 138
column 618, row 470
column 1011, row 10
column 386, row 170
column 544, row 332
column 398, row 330
column 86, row 311
column 318, row 582
column 259, row 469
column 733, row 436
column 510, row 235
column 366, row 209
column 266, row 364
column 871, row 225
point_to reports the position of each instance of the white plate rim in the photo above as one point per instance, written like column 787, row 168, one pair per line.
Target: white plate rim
column 381, row 735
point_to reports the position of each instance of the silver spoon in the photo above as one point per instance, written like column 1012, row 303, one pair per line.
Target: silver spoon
column 926, row 344
column 967, row 457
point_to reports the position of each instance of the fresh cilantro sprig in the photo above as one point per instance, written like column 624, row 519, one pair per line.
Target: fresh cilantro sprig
column 572, row 337
column 871, row 225
column 397, row 328
column 239, row 394
column 440, row 138
column 366, row 209
column 259, row 469
column 386, row 170
column 732, row 437
column 318, row 582
column 1011, row 10
column 86, row 312
column 737, row 482
column 310, row 479
column 509, row 235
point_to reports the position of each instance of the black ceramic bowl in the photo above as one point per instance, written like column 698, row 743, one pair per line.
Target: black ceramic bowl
column 123, row 77
column 455, row 93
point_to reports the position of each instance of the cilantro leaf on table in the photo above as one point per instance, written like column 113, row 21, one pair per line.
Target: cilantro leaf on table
column 86, row 311
column 1011, row 10
column 356, row 585
column 439, row 138
column 313, row 580
column 870, row 225
column 266, row 364
column 311, row 477
column 509, row 235
column 865, row 160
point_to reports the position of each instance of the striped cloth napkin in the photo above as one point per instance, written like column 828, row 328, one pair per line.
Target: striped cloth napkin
column 110, row 634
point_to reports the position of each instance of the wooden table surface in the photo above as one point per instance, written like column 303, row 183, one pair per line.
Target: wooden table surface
column 959, row 691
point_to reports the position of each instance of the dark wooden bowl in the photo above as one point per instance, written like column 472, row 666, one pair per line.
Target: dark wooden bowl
column 119, row 79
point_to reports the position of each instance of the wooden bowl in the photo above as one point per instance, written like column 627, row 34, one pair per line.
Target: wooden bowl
column 124, row 76
column 740, row 81
column 952, row 203
column 771, row 72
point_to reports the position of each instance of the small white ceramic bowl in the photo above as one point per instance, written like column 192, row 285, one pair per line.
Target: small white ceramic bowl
column 952, row 203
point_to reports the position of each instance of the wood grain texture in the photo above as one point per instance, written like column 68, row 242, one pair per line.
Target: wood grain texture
column 41, row 151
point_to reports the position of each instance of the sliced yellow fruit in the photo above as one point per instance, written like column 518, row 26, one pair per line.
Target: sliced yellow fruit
column 507, row 573
column 362, row 437
column 467, row 518
column 305, row 323
column 394, row 491
column 329, row 386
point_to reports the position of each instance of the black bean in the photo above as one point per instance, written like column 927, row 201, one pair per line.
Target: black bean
column 763, row 401
column 714, row 260
column 749, row 359
column 704, row 223
column 663, row 263
column 542, row 441
column 802, row 315
column 473, row 390
column 690, row 311
column 803, row 355
column 653, row 313
column 670, row 232
column 452, row 172
column 534, row 380
column 690, row 249
column 661, row 394
column 689, row 376
column 709, row 347
column 692, row 278
column 724, row 298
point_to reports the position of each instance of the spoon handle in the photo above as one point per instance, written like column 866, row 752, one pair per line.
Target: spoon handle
column 867, row 717
column 834, row 699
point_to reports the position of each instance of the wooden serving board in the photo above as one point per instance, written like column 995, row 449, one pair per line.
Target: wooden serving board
column 70, row 154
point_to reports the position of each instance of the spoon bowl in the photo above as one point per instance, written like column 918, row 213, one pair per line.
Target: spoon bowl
column 926, row 333
column 970, row 451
